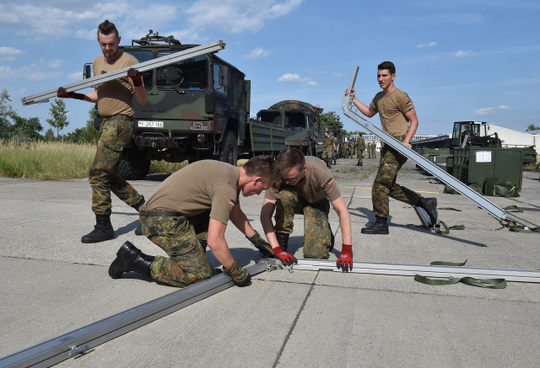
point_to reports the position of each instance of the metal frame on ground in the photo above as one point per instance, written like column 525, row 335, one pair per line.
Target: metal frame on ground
column 141, row 67
column 78, row 341
column 421, row 161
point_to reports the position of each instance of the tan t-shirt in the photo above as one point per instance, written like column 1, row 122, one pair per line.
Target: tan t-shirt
column 198, row 187
column 316, row 186
column 392, row 108
column 115, row 97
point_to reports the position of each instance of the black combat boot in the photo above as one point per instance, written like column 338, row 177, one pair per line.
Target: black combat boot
column 283, row 241
column 379, row 227
column 430, row 206
column 102, row 231
column 130, row 258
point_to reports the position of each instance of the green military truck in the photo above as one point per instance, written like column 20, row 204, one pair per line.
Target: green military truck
column 197, row 109
column 301, row 123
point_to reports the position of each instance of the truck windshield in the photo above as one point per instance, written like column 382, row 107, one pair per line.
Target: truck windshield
column 185, row 74
column 142, row 56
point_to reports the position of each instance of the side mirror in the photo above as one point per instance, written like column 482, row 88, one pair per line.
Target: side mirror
column 87, row 71
column 223, row 75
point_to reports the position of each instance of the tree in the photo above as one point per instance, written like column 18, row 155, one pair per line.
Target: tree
column 6, row 113
column 331, row 119
column 49, row 135
column 88, row 134
column 532, row 127
column 26, row 129
column 59, row 116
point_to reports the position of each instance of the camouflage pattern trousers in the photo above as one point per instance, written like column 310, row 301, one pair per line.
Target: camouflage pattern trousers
column 327, row 157
column 183, row 240
column 317, row 231
column 385, row 185
column 360, row 155
column 115, row 133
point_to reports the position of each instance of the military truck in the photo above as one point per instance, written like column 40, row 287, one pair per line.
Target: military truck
column 301, row 123
column 197, row 109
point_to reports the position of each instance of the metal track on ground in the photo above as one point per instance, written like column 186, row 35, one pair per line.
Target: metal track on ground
column 421, row 161
column 78, row 341
column 142, row 67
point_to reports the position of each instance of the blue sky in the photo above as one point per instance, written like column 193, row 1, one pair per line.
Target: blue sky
column 457, row 60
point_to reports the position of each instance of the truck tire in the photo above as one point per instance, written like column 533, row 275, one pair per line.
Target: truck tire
column 133, row 164
column 229, row 150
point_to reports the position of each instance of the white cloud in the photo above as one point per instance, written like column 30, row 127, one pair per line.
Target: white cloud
column 491, row 110
column 295, row 78
column 77, row 76
column 238, row 15
column 310, row 84
column 9, row 53
column 257, row 53
column 462, row 53
column 431, row 44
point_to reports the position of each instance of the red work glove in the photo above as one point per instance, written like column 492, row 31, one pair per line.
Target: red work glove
column 344, row 260
column 286, row 258
column 135, row 76
column 62, row 93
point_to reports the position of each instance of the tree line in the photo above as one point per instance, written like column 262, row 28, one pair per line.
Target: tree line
column 15, row 127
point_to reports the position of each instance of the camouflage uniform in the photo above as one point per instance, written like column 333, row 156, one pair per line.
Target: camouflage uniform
column 328, row 144
column 346, row 150
column 385, row 185
column 115, row 133
column 373, row 150
column 184, row 240
column 360, row 147
column 317, row 231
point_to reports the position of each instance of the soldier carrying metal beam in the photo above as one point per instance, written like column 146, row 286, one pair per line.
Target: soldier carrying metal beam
column 398, row 118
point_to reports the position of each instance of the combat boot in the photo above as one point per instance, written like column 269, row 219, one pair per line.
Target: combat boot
column 379, row 227
column 102, row 231
column 283, row 241
column 430, row 206
column 130, row 258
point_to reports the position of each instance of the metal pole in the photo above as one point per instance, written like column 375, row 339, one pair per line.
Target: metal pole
column 78, row 341
column 142, row 67
column 421, row 161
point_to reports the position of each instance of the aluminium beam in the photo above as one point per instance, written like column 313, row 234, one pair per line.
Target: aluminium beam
column 83, row 339
column 141, row 67
column 421, row 161
column 427, row 270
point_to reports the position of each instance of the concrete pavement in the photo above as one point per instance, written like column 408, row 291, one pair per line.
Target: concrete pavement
column 53, row 284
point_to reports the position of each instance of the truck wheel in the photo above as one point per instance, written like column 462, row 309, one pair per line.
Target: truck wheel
column 133, row 165
column 229, row 150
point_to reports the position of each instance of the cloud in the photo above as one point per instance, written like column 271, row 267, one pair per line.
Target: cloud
column 431, row 44
column 9, row 53
column 462, row 53
column 295, row 78
column 491, row 110
column 238, row 15
column 257, row 53
column 77, row 76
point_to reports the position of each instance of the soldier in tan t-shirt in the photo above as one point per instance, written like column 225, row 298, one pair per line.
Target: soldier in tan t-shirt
column 398, row 118
column 308, row 188
column 189, row 211
column 115, row 104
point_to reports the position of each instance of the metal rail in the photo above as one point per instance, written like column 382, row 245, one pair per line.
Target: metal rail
column 412, row 270
column 142, row 67
column 78, row 341
column 421, row 161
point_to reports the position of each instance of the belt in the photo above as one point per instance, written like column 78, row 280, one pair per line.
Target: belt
column 158, row 213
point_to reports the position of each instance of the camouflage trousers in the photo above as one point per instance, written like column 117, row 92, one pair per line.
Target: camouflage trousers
column 385, row 185
column 317, row 231
column 181, row 239
column 115, row 133
column 327, row 157
column 360, row 155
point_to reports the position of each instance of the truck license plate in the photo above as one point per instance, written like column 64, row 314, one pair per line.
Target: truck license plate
column 150, row 124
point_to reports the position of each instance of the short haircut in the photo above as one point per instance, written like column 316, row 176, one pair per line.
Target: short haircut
column 265, row 167
column 387, row 65
column 106, row 28
column 289, row 159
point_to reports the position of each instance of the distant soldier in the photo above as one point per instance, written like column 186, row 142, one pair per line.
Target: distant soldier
column 374, row 150
column 346, row 149
column 360, row 146
column 328, row 149
column 353, row 148
column 369, row 149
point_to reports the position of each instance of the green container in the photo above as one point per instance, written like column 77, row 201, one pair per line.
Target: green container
column 476, row 164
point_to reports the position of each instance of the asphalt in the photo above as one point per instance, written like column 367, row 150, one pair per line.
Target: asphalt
column 53, row 284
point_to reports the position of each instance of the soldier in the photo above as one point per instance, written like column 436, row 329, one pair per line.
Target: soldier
column 308, row 188
column 399, row 119
column 115, row 104
column 328, row 149
column 189, row 211
column 369, row 149
column 374, row 150
column 360, row 146
column 346, row 149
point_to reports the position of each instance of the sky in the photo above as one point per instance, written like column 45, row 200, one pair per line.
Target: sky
column 457, row 59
